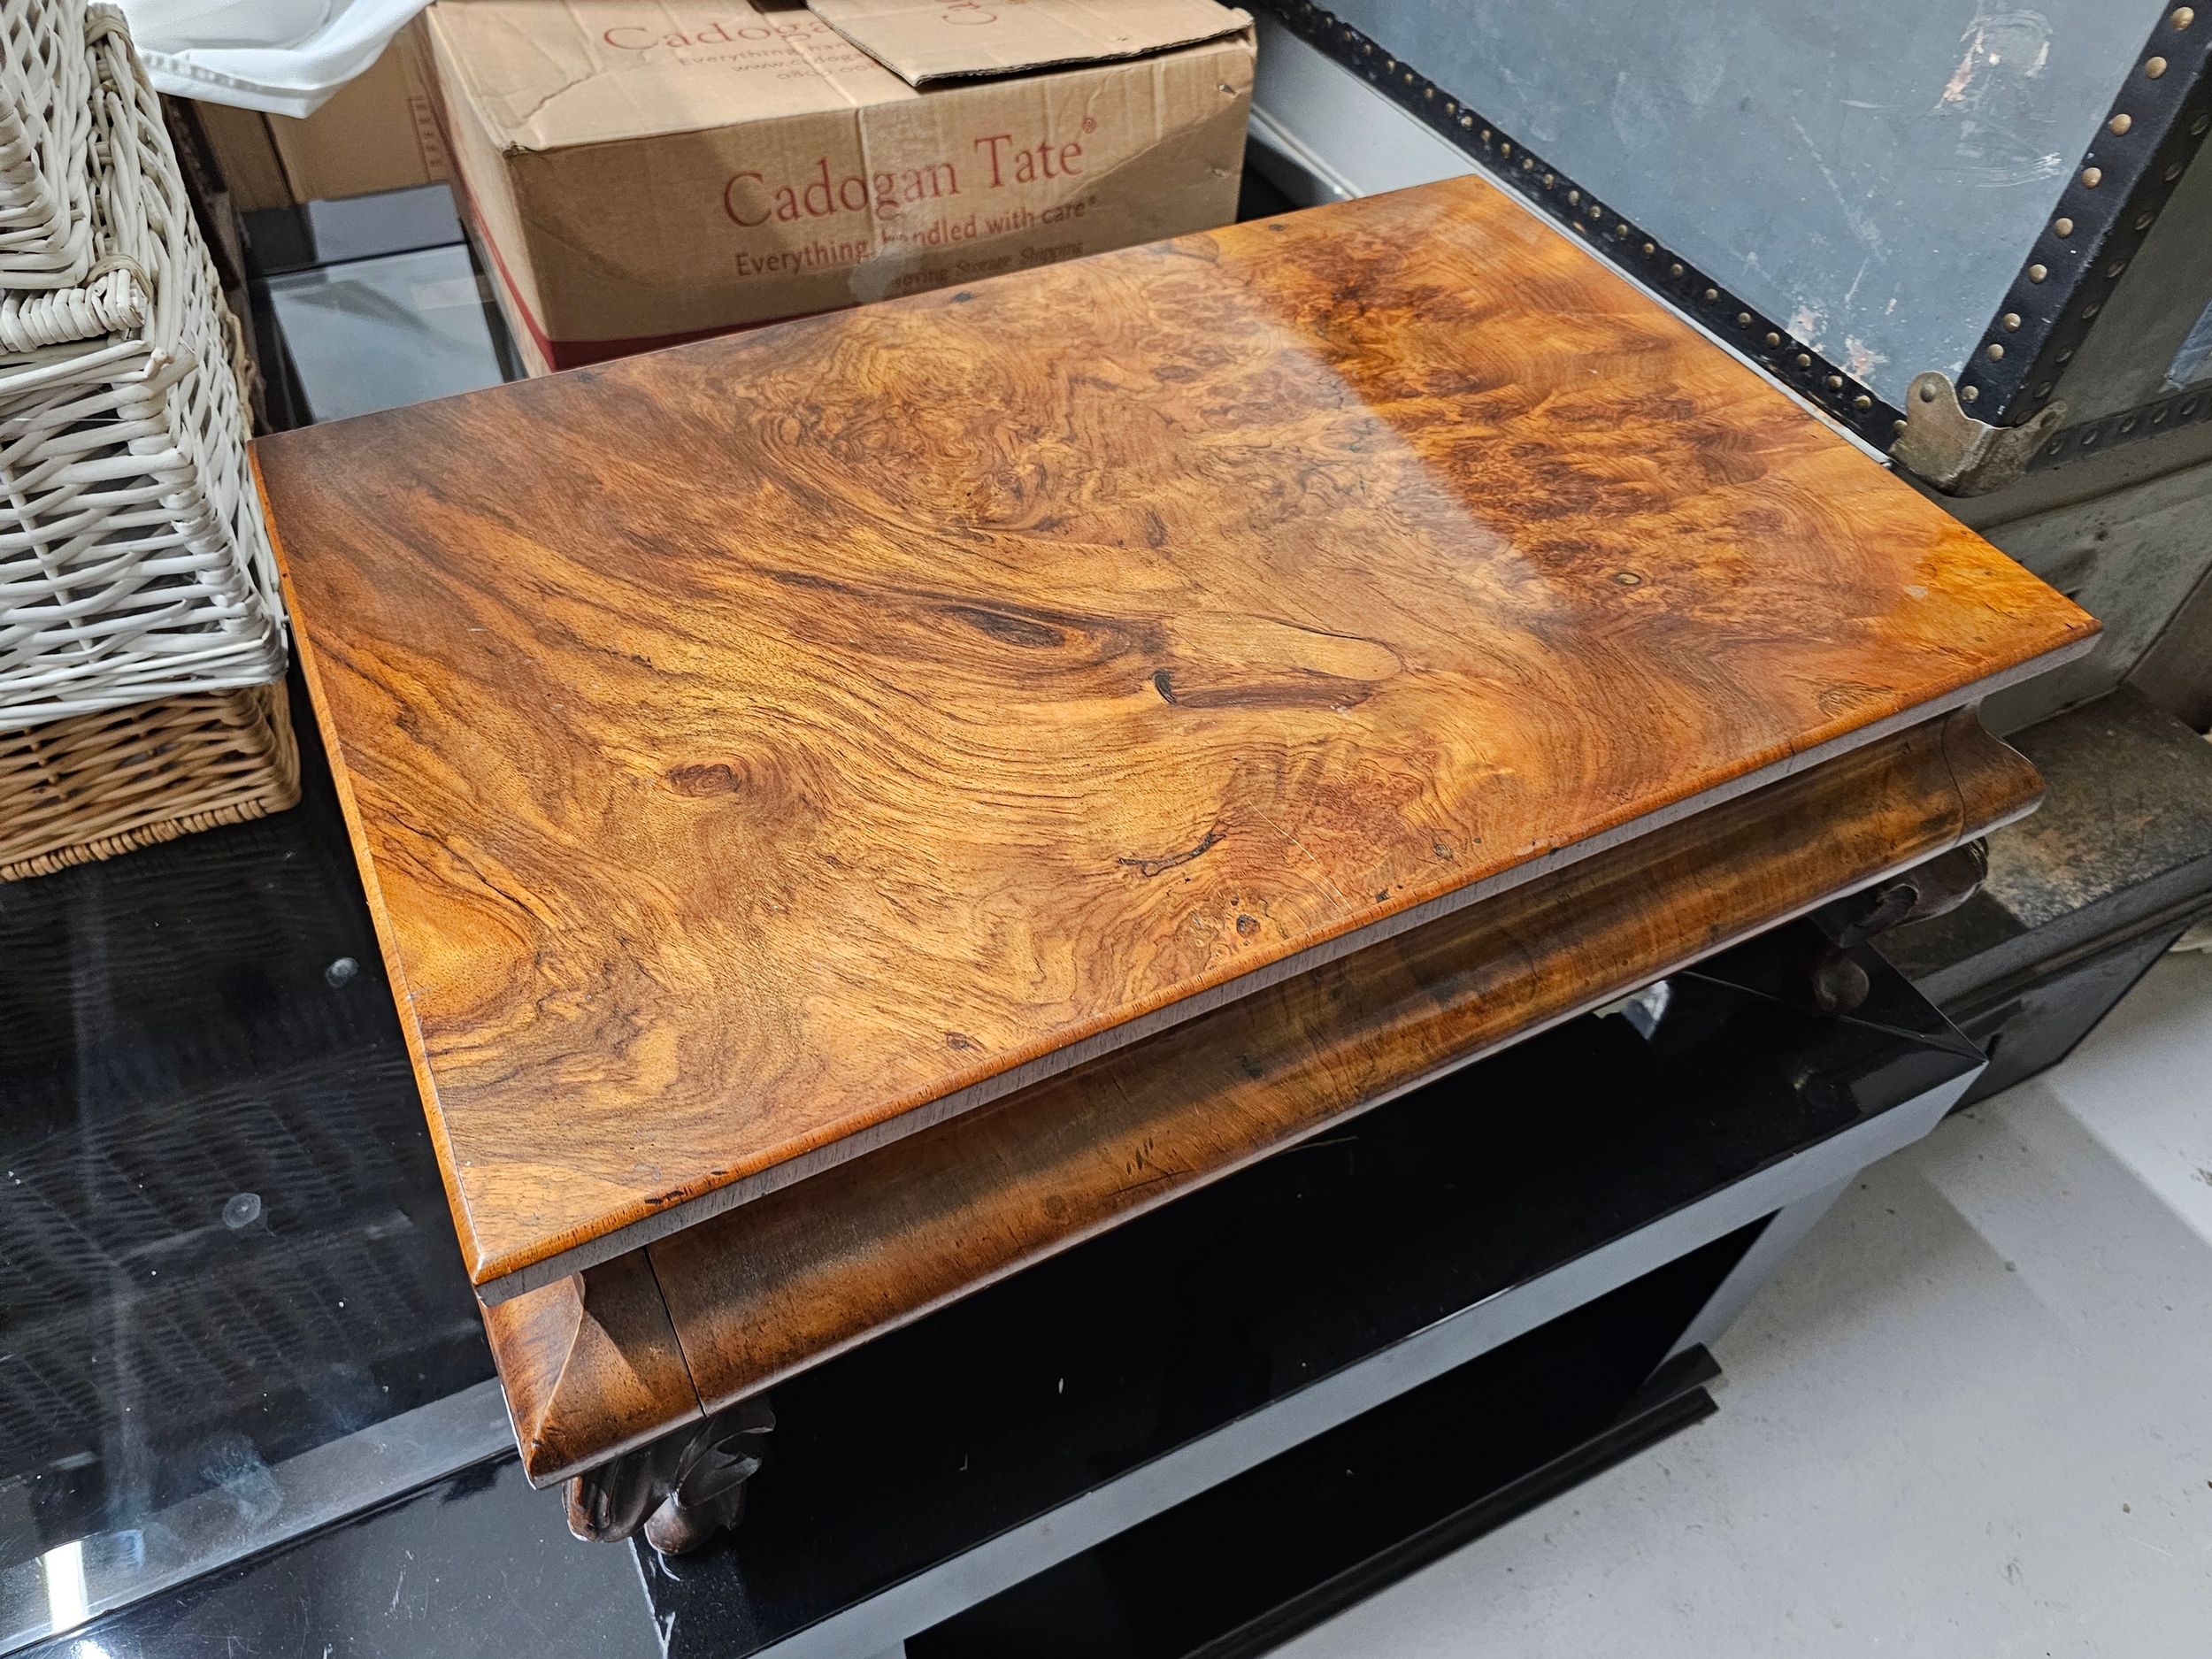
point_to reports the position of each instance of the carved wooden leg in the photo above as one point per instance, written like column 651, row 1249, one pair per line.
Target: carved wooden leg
column 683, row 1488
column 1827, row 981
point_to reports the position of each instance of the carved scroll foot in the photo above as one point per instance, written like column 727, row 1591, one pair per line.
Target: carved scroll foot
column 1827, row 980
column 682, row 1489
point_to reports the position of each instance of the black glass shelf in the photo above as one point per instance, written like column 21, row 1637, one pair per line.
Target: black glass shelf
column 1083, row 1368
column 224, row 1242
column 895, row 1458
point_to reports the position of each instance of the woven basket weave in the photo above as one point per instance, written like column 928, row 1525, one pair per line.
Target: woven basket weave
column 124, row 227
column 45, row 144
column 134, row 562
column 96, row 784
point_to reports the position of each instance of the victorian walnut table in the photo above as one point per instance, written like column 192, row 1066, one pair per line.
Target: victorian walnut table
column 855, row 808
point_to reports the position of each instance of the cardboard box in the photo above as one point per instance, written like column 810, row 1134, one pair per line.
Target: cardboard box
column 642, row 173
column 926, row 40
column 245, row 156
column 377, row 132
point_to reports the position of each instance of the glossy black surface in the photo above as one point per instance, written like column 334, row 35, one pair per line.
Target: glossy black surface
column 1291, row 1540
column 477, row 1567
column 312, row 234
column 2029, row 1024
column 1256, row 198
column 2122, row 844
column 925, row 1443
column 224, row 1239
column 480, row 1564
column 368, row 303
column 1003, row 1406
column 376, row 334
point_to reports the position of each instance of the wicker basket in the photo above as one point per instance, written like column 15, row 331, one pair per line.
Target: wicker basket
column 134, row 562
column 96, row 784
column 123, row 229
column 45, row 144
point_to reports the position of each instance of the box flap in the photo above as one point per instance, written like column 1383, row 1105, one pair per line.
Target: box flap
column 553, row 74
column 921, row 41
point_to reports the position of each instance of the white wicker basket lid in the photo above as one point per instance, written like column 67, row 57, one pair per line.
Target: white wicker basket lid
column 45, row 144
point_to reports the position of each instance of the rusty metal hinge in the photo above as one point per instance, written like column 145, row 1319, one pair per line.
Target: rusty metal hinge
column 1958, row 454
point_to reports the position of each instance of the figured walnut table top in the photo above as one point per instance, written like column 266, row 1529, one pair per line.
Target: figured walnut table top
column 761, row 749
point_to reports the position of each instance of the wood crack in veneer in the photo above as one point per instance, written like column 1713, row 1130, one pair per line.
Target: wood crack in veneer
column 771, row 1287
column 763, row 749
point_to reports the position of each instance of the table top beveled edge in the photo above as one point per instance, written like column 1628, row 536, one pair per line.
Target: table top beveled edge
column 1989, row 784
column 495, row 1278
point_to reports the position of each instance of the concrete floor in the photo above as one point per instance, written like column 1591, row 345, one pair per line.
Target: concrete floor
column 1971, row 1417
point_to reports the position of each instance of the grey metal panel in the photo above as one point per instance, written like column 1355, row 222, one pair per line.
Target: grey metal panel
column 2131, row 559
column 2176, row 674
column 1872, row 174
column 1277, row 156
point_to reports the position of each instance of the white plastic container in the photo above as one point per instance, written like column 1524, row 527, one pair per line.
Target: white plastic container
column 284, row 57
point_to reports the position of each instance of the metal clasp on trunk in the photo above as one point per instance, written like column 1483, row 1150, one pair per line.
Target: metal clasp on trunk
column 1958, row 454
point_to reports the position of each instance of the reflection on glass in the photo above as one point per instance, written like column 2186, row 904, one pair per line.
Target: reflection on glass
column 375, row 333
column 231, row 1304
column 66, row 1607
